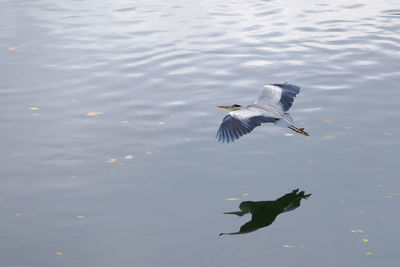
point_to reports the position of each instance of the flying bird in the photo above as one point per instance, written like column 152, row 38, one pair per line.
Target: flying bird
column 271, row 106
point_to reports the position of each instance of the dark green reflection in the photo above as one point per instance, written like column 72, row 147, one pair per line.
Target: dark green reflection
column 263, row 213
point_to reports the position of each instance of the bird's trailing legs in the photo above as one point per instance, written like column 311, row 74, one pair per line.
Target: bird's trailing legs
column 298, row 130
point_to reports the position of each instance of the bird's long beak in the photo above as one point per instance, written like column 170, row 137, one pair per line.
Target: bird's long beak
column 225, row 107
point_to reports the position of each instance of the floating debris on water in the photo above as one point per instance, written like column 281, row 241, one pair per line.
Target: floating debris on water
column 161, row 123
column 245, row 194
column 59, row 253
column 80, row 217
column 149, row 153
column 111, row 160
column 329, row 137
column 290, row 246
column 18, row 214
column 232, row 198
column 91, row 114
column 34, row 108
column 288, row 134
column 129, row 157
column 365, row 240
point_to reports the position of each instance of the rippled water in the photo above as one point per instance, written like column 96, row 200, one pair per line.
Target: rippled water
column 144, row 182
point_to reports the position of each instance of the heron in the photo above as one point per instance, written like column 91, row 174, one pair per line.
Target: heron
column 271, row 106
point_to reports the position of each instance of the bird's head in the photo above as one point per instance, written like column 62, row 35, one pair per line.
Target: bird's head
column 233, row 107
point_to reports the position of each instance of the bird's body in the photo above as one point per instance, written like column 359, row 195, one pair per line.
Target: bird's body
column 271, row 106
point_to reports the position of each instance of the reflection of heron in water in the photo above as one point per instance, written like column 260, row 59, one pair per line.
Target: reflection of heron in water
column 271, row 106
column 263, row 213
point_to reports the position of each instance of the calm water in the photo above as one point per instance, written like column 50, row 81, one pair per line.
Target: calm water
column 108, row 122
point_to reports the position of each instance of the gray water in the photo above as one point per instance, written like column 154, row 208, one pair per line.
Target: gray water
column 108, row 122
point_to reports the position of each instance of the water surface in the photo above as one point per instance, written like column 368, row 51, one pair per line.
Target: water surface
column 108, row 122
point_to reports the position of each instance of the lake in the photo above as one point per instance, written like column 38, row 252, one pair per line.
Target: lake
column 108, row 123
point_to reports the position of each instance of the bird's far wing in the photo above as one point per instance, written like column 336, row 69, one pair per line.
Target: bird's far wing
column 240, row 122
column 278, row 96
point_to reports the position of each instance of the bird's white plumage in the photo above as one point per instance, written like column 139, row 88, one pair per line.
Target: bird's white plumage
column 246, row 113
column 271, row 94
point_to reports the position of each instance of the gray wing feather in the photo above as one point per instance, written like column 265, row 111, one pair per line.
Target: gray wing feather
column 289, row 92
column 233, row 128
column 279, row 97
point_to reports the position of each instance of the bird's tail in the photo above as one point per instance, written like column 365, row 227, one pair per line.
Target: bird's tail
column 285, row 121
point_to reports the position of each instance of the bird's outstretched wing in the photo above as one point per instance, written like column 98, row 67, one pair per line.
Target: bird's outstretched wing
column 278, row 96
column 240, row 122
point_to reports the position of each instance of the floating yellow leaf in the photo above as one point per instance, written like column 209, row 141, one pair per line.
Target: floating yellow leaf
column 329, row 137
column 245, row 194
column 111, row 160
column 354, row 231
column 368, row 253
column 18, row 214
column 232, row 198
column 59, row 253
column 34, row 108
column 80, row 217
column 90, row 114
column 129, row 157
column 365, row 240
